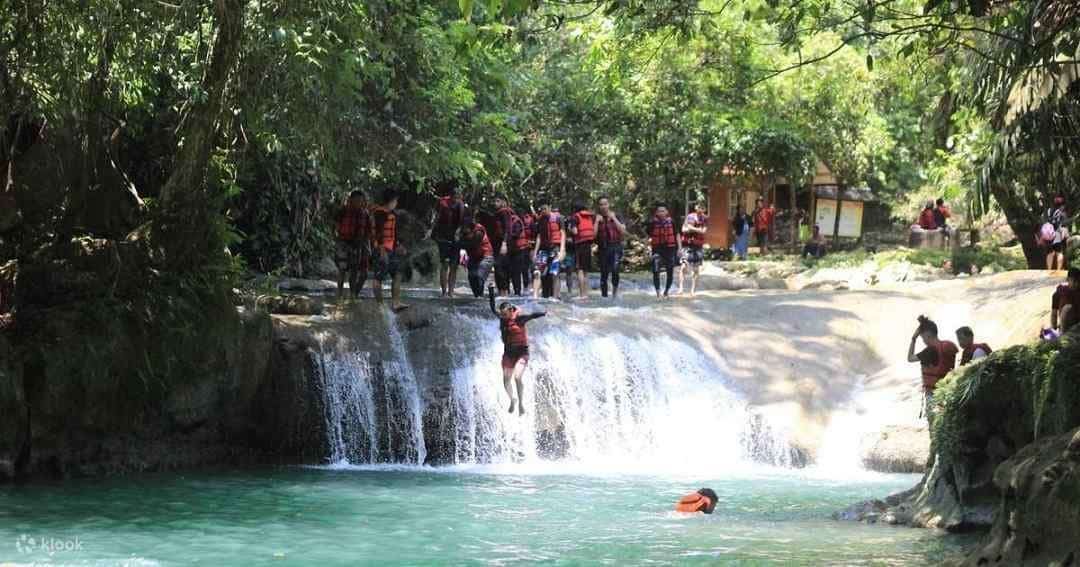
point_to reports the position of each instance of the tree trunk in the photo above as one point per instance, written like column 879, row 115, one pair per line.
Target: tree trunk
column 185, row 225
column 1024, row 222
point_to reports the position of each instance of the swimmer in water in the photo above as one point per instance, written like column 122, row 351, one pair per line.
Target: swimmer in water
column 704, row 500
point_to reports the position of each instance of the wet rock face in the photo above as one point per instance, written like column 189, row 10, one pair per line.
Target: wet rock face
column 897, row 449
column 1038, row 520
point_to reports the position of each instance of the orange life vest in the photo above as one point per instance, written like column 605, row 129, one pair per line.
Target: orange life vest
column 586, row 230
column 931, row 375
column 482, row 245
column 969, row 352
column 693, row 502
column 354, row 224
column 662, row 233
column 695, row 239
column 550, row 230
column 385, row 228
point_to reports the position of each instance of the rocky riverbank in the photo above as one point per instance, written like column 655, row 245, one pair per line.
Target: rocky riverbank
column 1006, row 457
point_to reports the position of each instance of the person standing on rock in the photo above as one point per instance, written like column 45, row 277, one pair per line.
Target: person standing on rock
column 1058, row 236
column 937, row 359
column 515, row 348
column 609, row 238
column 970, row 351
column 353, row 250
column 474, row 241
column 503, row 239
column 665, row 248
column 693, row 233
column 449, row 215
column 582, row 228
column 763, row 218
column 549, row 253
column 740, row 227
column 388, row 251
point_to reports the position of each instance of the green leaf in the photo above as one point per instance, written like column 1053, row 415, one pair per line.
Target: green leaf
column 466, row 9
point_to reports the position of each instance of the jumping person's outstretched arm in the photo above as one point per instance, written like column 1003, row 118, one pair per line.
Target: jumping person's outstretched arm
column 526, row 318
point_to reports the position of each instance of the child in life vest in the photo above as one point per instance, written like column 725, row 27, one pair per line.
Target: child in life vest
column 515, row 348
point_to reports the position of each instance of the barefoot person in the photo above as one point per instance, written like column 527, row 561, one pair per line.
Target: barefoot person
column 1056, row 234
column 515, row 348
column 693, row 233
column 703, row 500
column 449, row 214
column 665, row 248
column 549, row 253
column 609, row 237
column 970, row 350
column 474, row 241
column 353, row 251
column 388, row 251
column 583, row 230
column 1065, row 303
column 937, row 359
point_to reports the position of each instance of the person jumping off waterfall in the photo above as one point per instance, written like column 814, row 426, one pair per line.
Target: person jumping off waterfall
column 937, row 359
column 515, row 348
column 704, row 500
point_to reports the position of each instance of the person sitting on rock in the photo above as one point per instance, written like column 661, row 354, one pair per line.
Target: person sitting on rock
column 970, row 350
column 815, row 247
column 515, row 348
column 703, row 500
column 927, row 220
column 1065, row 303
column 937, row 359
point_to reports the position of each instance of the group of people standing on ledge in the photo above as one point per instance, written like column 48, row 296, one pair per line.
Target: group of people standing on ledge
column 526, row 252
column 938, row 358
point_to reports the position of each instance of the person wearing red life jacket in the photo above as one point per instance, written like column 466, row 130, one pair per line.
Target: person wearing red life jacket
column 665, row 248
column 530, row 225
column 609, row 238
column 388, row 252
column 693, row 233
column 936, row 360
column 926, row 217
column 449, row 213
column 549, row 252
column 763, row 219
column 505, row 238
column 515, row 348
column 352, row 252
column 703, row 500
column 474, row 241
column 521, row 249
column 970, row 350
column 583, row 231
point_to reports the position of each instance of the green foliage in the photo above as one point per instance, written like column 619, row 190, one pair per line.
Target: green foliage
column 1034, row 386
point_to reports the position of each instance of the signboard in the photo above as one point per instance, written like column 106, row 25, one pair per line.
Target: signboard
column 851, row 219
column 825, row 216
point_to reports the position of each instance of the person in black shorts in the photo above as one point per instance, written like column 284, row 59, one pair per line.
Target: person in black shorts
column 583, row 231
column 449, row 214
column 609, row 237
column 515, row 348
column 665, row 248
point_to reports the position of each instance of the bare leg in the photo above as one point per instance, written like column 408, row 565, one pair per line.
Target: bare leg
column 694, row 273
column 583, row 284
column 443, row 268
column 452, row 283
column 341, row 283
column 682, row 276
column 395, row 293
column 519, row 372
column 376, row 290
column 508, row 383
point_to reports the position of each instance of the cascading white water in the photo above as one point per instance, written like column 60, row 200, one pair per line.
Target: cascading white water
column 597, row 399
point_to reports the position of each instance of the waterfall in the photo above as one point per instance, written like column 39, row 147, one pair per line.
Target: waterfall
column 603, row 399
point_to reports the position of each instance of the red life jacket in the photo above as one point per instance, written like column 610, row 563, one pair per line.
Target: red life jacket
column 662, row 233
column 482, row 246
column 608, row 232
column 354, row 224
column 695, row 239
column 530, row 224
column 550, row 230
column 693, row 502
column 513, row 332
column 965, row 357
column 385, row 228
column 586, row 230
column 931, row 375
column 449, row 217
column 520, row 233
column 926, row 220
column 504, row 225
